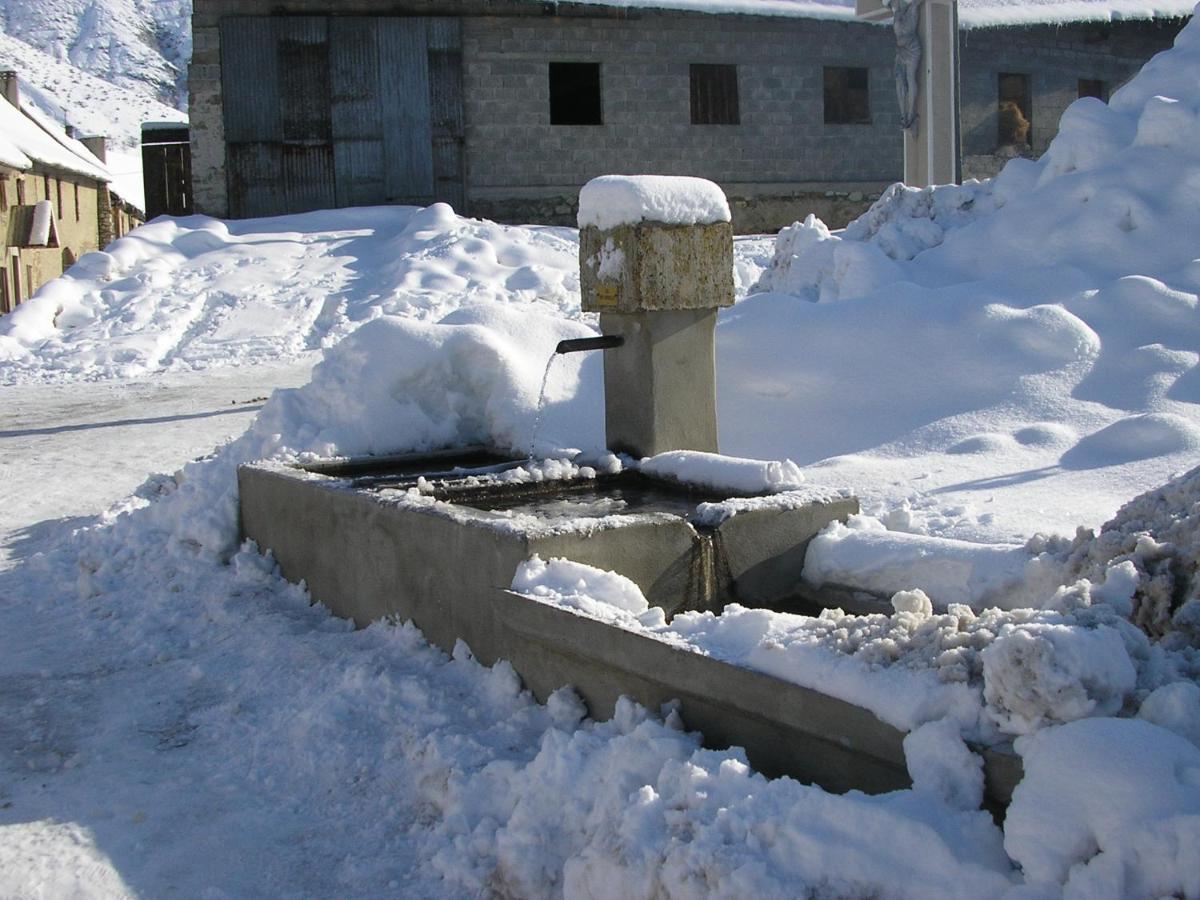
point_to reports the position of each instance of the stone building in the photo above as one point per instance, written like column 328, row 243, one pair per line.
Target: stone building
column 54, row 199
column 503, row 108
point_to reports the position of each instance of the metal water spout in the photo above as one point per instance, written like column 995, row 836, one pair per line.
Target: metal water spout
column 576, row 345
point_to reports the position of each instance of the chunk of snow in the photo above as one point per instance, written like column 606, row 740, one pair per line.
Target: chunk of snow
column 863, row 554
column 43, row 222
column 1175, row 707
column 612, row 200
column 940, row 763
column 1039, row 674
column 576, row 585
column 724, row 473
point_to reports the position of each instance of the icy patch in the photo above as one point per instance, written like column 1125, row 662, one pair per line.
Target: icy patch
column 612, row 200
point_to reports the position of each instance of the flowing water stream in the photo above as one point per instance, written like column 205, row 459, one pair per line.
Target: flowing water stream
column 537, row 419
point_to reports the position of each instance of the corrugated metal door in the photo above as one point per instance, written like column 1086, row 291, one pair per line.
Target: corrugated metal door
column 446, row 110
column 404, row 99
column 357, row 117
column 253, row 134
column 304, row 113
column 346, row 111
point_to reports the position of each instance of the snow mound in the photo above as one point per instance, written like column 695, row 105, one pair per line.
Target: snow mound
column 612, row 200
column 864, row 554
column 197, row 292
column 1108, row 808
column 1112, row 190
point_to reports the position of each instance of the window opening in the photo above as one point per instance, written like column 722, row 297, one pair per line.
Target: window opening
column 76, row 201
column 575, row 94
column 714, row 91
column 1015, row 110
column 1093, row 87
column 847, row 97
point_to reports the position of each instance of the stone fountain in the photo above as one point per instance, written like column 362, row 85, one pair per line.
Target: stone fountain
column 436, row 538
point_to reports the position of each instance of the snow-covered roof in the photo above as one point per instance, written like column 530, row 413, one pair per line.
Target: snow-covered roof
column 28, row 136
column 971, row 13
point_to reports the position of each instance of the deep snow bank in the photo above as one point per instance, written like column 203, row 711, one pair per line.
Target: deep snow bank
column 197, row 292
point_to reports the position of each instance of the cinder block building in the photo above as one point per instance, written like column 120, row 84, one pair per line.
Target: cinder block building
column 54, row 199
column 503, row 108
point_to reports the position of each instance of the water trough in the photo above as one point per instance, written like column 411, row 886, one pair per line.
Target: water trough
column 436, row 538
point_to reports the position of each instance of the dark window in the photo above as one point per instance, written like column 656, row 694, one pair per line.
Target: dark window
column 20, row 192
column 3, row 193
column 846, row 96
column 45, row 187
column 58, row 196
column 714, row 94
column 77, row 201
column 575, row 94
column 1093, row 87
column 1015, row 119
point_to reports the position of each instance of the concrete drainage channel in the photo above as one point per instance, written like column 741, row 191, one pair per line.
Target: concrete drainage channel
column 438, row 538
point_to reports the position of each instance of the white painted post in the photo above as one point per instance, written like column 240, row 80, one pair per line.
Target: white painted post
column 931, row 146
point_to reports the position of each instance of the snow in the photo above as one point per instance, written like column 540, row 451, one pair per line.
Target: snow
column 575, row 585
column 43, row 220
column 38, row 142
column 998, row 364
column 1108, row 806
column 864, row 554
column 612, row 200
column 724, row 473
column 69, row 95
column 196, row 292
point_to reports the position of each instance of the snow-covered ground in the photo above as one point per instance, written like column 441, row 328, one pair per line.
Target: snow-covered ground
column 987, row 367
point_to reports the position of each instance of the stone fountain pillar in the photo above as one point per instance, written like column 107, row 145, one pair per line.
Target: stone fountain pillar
column 658, row 286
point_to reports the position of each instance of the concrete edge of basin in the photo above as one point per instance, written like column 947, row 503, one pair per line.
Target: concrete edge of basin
column 365, row 560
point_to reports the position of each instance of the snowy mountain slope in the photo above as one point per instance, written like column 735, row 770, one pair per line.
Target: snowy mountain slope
column 139, row 45
column 71, row 96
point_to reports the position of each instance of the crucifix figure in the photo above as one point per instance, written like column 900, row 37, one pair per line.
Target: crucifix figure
column 906, row 16
column 926, row 71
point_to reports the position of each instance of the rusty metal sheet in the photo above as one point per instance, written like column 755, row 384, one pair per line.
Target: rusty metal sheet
column 446, row 110
column 255, row 174
column 308, row 177
column 404, row 96
column 357, row 119
column 249, row 79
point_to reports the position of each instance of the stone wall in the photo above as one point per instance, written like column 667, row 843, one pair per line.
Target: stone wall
column 517, row 158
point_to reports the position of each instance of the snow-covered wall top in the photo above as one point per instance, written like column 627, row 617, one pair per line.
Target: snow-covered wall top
column 971, row 13
column 612, row 200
